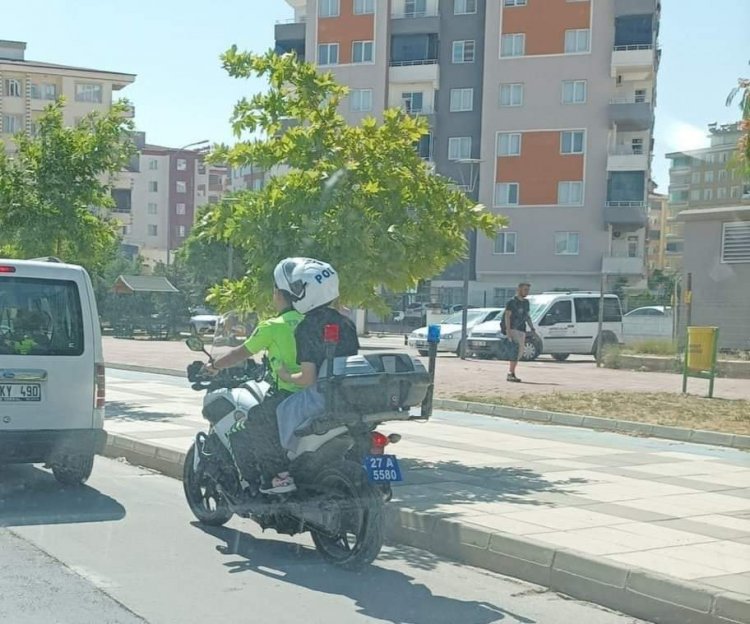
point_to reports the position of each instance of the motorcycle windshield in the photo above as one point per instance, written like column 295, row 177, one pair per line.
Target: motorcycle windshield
column 232, row 329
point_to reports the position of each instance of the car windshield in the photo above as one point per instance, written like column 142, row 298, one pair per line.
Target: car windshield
column 472, row 316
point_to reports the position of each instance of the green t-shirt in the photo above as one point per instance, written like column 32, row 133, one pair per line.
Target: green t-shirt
column 276, row 336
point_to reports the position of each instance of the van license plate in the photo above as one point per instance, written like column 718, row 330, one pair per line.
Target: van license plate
column 20, row 392
column 382, row 468
column 478, row 343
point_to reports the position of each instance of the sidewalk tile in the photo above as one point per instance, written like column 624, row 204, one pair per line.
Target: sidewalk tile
column 145, row 426
column 579, row 543
column 739, row 479
column 180, row 444
column 629, row 513
column 738, row 583
column 658, row 562
column 607, row 494
column 729, row 557
column 729, row 522
column 506, row 524
column 687, row 505
column 665, row 535
column 701, row 528
column 566, row 518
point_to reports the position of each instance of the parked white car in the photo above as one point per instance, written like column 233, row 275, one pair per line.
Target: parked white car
column 51, row 368
column 648, row 323
column 565, row 322
column 450, row 330
column 203, row 321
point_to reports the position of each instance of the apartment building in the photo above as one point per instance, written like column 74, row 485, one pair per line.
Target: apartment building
column 27, row 87
column 541, row 109
column 658, row 211
column 703, row 178
column 157, row 202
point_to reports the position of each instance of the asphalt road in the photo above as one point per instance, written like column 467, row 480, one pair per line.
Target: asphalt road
column 125, row 549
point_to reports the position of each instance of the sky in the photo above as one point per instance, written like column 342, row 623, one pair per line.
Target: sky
column 182, row 95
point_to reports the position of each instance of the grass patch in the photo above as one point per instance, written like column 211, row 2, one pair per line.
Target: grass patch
column 653, row 347
column 657, row 408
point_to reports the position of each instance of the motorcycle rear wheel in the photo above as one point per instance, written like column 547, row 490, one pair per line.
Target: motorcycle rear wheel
column 207, row 505
column 363, row 517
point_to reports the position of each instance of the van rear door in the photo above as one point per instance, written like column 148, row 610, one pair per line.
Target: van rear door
column 47, row 349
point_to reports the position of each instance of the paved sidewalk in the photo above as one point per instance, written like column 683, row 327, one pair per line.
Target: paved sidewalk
column 519, row 498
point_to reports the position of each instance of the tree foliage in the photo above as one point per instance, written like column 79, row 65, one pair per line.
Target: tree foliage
column 55, row 187
column 359, row 197
column 743, row 91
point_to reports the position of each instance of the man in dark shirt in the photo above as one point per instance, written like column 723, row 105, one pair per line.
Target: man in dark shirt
column 516, row 317
column 309, row 336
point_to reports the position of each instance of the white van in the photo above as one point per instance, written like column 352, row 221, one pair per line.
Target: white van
column 51, row 368
column 565, row 322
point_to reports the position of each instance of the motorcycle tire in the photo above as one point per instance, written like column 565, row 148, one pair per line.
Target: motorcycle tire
column 207, row 505
column 346, row 481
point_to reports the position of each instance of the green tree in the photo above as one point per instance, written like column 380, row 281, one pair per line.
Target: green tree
column 55, row 187
column 359, row 197
column 743, row 91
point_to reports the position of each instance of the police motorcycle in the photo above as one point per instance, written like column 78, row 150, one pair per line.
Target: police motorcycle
column 340, row 465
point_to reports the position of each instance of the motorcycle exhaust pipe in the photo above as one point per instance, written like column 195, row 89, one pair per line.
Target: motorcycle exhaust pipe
column 433, row 338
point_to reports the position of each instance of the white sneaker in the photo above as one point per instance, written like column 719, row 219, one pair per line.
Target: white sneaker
column 283, row 483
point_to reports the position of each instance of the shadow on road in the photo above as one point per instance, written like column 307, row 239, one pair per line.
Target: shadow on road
column 30, row 496
column 120, row 411
column 377, row 592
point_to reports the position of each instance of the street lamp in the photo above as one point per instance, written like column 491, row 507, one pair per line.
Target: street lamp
column 169, row 208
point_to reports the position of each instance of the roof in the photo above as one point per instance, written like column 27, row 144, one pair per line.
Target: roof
column 706, row 214
column 143, row 283
column 25, row 64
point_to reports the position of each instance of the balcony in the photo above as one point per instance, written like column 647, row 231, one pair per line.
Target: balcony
column 631, row 114
column 411, row 22
column 636, row 62
column 625, row 213
column 425, row 110
column 623, row 265
column 290, row 36
column 425, row 70
column 623, row 158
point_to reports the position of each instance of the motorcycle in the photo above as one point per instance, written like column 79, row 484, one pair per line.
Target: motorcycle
column 342, row 472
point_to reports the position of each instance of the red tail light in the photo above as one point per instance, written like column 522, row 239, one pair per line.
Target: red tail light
column 378, row 443
column 99, row 386
column 4, row 268
column 331, row 333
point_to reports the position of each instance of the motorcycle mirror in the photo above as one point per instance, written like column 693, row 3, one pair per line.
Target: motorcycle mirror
column 195, row 344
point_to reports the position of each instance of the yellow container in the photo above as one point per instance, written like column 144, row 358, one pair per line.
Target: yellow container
column 701, row 348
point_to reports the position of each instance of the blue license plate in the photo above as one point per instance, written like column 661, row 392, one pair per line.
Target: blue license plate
column 382, row 468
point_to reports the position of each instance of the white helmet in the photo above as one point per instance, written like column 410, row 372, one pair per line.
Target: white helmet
column 311, row 283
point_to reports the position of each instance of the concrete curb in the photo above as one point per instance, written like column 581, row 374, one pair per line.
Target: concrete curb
column 695, row 436
column 631, row 590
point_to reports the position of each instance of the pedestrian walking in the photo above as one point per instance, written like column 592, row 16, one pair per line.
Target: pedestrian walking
column 515, row 319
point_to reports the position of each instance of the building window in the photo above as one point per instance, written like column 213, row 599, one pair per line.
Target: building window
column 412, row 101
column 514, row 3
column 459, row 148
column 708, row 177
column 257, row 184
column 328, row 54
column 678, row 196
column 152, row 208
column 723, row 175
column 695, row 178
column 181, row 230
column 567, row 243
column 736, row 192
column 511, row 94
column 13, row 88
column 360, row 100
column 328, row 8
column 464, row 7
column 181, row 164
column 505, row 243
column 181, row 186
column 153, row 164
column 509, row 144
column 89, row 92
column 364, row 7
column 152, row 230
column 571, row 142
column 415, row 8
column 574, row 91
column 153, row 186
column 570, row 193
column 721, row 192
column 43, row 91
column 708, row 194
column 695, row 195
column 462, row 100
column 735, row 242
column 179, row 209
column 506, row 194
column 577, row 40
column 513, row 45
column 708, row 160
column 12, row 123
column 362, row 52
column 424, row 146
column 463, row 51
column 636, row 145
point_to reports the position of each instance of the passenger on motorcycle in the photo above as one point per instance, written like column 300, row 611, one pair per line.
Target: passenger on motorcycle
column 276, row 337
column 314, row 286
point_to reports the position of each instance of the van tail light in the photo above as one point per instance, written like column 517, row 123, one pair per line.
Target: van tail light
column 99, row 386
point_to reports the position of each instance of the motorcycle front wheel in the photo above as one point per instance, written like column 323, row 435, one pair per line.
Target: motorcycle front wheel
column 362, row 517
column 207, row 505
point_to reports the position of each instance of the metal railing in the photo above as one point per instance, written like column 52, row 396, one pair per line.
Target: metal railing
column 404, row 14
column 292, row 20
column 426, row 109
column 626, row 204
column 630, row 99
column 412, row 63
column 629, row 48
column 625, row 150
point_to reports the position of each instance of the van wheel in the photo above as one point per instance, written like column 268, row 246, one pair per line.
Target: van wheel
column 608, row 340
column 561, row 357
column 73, row 469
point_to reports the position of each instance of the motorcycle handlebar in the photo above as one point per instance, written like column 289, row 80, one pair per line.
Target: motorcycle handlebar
column 226, row 378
